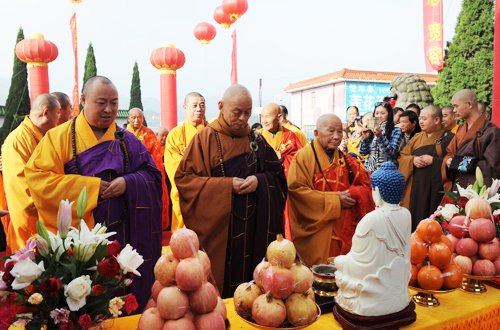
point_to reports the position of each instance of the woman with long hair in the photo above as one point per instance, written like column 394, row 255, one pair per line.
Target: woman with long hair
column 381, row 144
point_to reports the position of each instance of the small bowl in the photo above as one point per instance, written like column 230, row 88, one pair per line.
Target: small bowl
column 324, row 283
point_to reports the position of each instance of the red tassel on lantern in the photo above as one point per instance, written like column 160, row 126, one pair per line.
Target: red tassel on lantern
column 205, row 32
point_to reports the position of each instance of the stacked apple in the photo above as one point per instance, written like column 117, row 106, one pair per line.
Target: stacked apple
column 281, row 289
column 477, row 249
column 182, row 298
column 431, row 258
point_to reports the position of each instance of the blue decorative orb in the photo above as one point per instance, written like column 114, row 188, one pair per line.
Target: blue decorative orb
column 390, row 182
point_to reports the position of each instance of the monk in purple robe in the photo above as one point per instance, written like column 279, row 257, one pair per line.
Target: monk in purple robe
column 232, row 192
column 122, row 180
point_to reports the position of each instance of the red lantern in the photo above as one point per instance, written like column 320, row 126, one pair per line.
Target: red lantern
column 235, row 8
column 222, row 18
column 205, row 32
column 168, row 59
column 37, row 52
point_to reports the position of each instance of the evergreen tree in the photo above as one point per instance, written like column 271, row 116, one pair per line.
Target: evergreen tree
column 18, row 101
column 468, row 61
column 135, row 91
column 90, row 67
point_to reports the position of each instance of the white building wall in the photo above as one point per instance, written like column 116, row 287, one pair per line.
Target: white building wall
column 295, row 111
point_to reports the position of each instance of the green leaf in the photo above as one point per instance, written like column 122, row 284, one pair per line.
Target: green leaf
column 70, row 266
column 495, row 206
column 100, row 253
column 81, row 204
column 454, row 196
column 6, row 257
column 40, row 228
column 93, row 268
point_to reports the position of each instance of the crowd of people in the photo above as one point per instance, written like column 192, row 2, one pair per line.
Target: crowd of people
column 236, row 186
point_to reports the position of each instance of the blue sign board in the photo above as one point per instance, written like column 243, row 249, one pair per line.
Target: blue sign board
column 364, row 95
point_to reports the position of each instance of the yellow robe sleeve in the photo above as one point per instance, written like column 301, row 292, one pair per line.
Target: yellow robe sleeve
column 312, row 212
column 49, row 184
column 405, row 161
column 174, row 150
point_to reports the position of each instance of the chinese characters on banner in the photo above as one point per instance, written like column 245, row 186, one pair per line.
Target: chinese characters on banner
column 76, row 101
column 364, row 95
column 433, row 34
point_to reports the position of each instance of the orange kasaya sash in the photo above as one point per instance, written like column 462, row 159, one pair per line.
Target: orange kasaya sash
column 360, row 190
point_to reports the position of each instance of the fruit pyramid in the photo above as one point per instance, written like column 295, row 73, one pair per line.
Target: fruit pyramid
column 432, row 267
column 281, row 289
column 475, row 246
column 182, row 296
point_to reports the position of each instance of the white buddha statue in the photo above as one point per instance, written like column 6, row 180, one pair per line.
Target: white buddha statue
column 373, row 277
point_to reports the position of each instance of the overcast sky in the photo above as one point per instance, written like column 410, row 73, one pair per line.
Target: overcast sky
column 280, row 41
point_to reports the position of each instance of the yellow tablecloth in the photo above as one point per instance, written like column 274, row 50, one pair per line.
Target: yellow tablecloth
column 458, row 310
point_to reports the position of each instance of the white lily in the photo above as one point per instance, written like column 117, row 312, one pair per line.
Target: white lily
column 58, row 244
column 470, row 193
column 493, row 189
column 86, row 241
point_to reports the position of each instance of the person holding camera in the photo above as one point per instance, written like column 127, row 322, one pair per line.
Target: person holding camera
column 380, row 141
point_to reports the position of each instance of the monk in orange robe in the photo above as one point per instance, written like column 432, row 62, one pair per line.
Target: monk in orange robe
column 329, row 193
column 149, row 139
column 284, row 142
column 17, row 149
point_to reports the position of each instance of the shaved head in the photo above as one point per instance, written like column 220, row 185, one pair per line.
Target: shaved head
column 270, row 117
column 44, row 112
column 329, row 131
column 191, row 95
column 65, row 103
column 136, row 117
column 88, row 88
column 434, row 111
column 236, row 106
column 162, row 134
column 464, row 103
column 448, row 109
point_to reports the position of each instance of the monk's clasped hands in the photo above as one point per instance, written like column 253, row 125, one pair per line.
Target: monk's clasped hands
column 245, row 186
column 115, row 188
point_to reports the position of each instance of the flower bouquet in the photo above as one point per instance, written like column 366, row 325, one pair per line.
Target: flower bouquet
column 65, row 281
column 456, row 202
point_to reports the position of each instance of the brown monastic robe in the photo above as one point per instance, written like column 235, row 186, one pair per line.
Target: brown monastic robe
column 488, row 153
column 234, row 230
column 423, row 185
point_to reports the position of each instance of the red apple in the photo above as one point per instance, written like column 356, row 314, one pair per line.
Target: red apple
column 165, row 269
column 477, row 208
column 204, row 299
column 151, row 320
column 464, row 263
column 210, row 321
column 474, row 258
column 484, row 268
column 205, row 262
column 467, row 247
column 453, row 240
column 496, row 263
column 184, row 243
column 172, row 303
column 155, row 290
column 190, row 315
column 221, row 308
column 189, row 274
column 180, row 324
column 489, row 250
column 151, row 303
column 459, row 226
column 482, row 230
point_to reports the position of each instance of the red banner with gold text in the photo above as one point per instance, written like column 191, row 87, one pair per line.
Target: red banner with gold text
column 76, row 100
column 234, row 62
column 433, row 35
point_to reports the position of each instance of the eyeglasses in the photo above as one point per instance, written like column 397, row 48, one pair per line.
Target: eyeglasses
column 384, row 104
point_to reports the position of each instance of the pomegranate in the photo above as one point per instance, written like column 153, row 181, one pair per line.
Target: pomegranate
column 244, row 297
column 172, row 303
column 303, row 277
column 268, row 311
column 278, row 280
column 184, row 243
column 203, row 300
column 259, row 270
column 221, row 308
column 281, row 250
column 210, row 321
column 180, row 324
column 189, row 274
column 205, row 262
column 310, row 294
column 300, row 310
column 165, row 269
